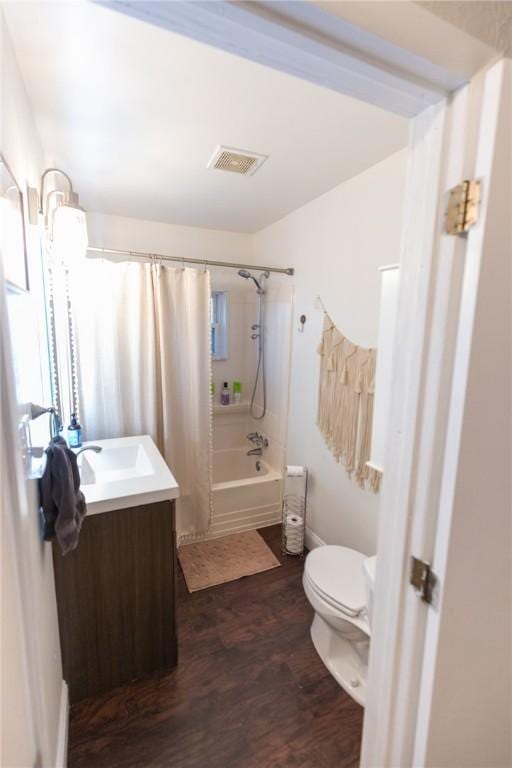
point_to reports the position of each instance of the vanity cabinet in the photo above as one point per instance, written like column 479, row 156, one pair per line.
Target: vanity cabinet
column 116, row 598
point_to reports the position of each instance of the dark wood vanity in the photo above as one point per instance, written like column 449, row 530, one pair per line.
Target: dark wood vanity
column 116, row 598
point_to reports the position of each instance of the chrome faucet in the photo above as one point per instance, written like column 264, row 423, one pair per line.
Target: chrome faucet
column 260, row 441
column 95, row 448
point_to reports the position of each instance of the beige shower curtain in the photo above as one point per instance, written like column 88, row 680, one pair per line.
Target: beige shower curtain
column 143, row 341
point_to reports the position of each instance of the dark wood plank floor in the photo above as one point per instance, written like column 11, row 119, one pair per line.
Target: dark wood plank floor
column 249, row 690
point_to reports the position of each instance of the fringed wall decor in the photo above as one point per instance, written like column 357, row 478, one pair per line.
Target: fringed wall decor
column 345, row 402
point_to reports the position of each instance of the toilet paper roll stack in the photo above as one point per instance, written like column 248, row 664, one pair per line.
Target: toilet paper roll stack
column 295, row 481
column 294, row 534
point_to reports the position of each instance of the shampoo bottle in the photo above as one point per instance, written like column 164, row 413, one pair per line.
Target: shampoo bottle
column 74, row 432
column 237, row 391
column 224, row 397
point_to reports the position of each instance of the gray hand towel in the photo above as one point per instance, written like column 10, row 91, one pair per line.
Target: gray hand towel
column 62, row 501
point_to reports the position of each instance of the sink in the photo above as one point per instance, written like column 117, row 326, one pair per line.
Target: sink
column 114, row 464
column 128, row 472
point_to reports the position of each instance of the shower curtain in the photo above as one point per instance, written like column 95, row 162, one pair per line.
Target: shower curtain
column 143, row 347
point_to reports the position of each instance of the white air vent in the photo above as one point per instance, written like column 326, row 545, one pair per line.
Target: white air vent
column 236, row 161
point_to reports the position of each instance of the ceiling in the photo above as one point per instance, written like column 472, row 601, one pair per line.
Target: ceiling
column 487, row 20
column 133, row 113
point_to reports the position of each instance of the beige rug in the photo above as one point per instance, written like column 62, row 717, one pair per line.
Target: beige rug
column 207, row 563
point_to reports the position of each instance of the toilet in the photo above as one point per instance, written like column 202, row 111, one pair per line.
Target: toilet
column 339, row 584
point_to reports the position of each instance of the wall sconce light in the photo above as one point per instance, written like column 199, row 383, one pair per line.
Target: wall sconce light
column 58, row 209
column 69, row 233
column 63, row 217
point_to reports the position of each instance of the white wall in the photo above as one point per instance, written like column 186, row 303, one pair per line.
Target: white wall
column 21, row 148
column 107, row 231
column 336, row 244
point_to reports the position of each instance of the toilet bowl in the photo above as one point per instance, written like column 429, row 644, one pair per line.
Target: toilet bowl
column 338, row 583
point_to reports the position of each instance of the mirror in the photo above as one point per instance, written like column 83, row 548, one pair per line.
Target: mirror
column 12, row 230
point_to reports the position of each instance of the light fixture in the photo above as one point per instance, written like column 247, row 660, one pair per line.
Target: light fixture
column 63, row 217
column 69, row 233
column 58, row 209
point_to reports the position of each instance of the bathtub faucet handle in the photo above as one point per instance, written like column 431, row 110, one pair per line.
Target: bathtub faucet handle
column 258, row 439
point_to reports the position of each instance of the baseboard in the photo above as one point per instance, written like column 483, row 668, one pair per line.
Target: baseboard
column 312, row 540
column 61, row 758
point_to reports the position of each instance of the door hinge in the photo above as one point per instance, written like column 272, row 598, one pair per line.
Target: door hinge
column 463, row 205
column 423, row 579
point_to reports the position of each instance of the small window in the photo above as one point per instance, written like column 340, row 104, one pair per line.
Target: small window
column 219, row 325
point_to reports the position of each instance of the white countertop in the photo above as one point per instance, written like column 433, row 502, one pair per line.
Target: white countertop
column 128, row 472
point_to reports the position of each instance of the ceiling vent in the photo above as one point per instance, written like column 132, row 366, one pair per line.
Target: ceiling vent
column 236, row 161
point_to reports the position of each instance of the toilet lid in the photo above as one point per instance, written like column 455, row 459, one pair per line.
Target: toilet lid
column 337, row 572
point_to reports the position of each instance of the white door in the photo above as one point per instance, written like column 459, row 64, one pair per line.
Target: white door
column 440, row 676
column 464, row 713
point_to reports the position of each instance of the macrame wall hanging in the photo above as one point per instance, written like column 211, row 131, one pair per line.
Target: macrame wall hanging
column 345, row 402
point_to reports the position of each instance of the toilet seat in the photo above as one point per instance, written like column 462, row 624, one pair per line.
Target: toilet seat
column 336, row 575
column 335, row 606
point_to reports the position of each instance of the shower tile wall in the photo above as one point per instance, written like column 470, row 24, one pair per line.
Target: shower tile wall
column 278, row 309
column 230, row 428
column 241, row 362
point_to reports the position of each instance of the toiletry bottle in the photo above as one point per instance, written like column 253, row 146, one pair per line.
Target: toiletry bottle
column 212, row 389
column 224, row 397
column 237, row 391
column 74, row 433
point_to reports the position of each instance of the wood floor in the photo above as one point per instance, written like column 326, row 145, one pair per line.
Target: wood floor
column 249, row 690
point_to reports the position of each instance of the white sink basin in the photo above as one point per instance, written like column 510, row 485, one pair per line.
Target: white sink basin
column 114, row 464
column 128, row 471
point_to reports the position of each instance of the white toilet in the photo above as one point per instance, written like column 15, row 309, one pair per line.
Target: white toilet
column 339, row 584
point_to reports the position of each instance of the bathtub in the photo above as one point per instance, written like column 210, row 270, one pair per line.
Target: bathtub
column 246, row 492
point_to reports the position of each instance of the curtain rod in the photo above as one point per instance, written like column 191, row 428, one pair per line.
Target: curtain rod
column 204, row 262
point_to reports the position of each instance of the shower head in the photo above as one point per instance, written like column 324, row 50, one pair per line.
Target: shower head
column 258, row 283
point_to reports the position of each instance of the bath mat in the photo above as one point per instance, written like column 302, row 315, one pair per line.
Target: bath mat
column 208, row 563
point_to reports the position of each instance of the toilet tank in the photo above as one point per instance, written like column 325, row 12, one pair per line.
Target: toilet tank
column 369, row 566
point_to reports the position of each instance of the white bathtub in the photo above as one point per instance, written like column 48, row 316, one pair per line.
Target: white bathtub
column 233, row 466
column 246, row 492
